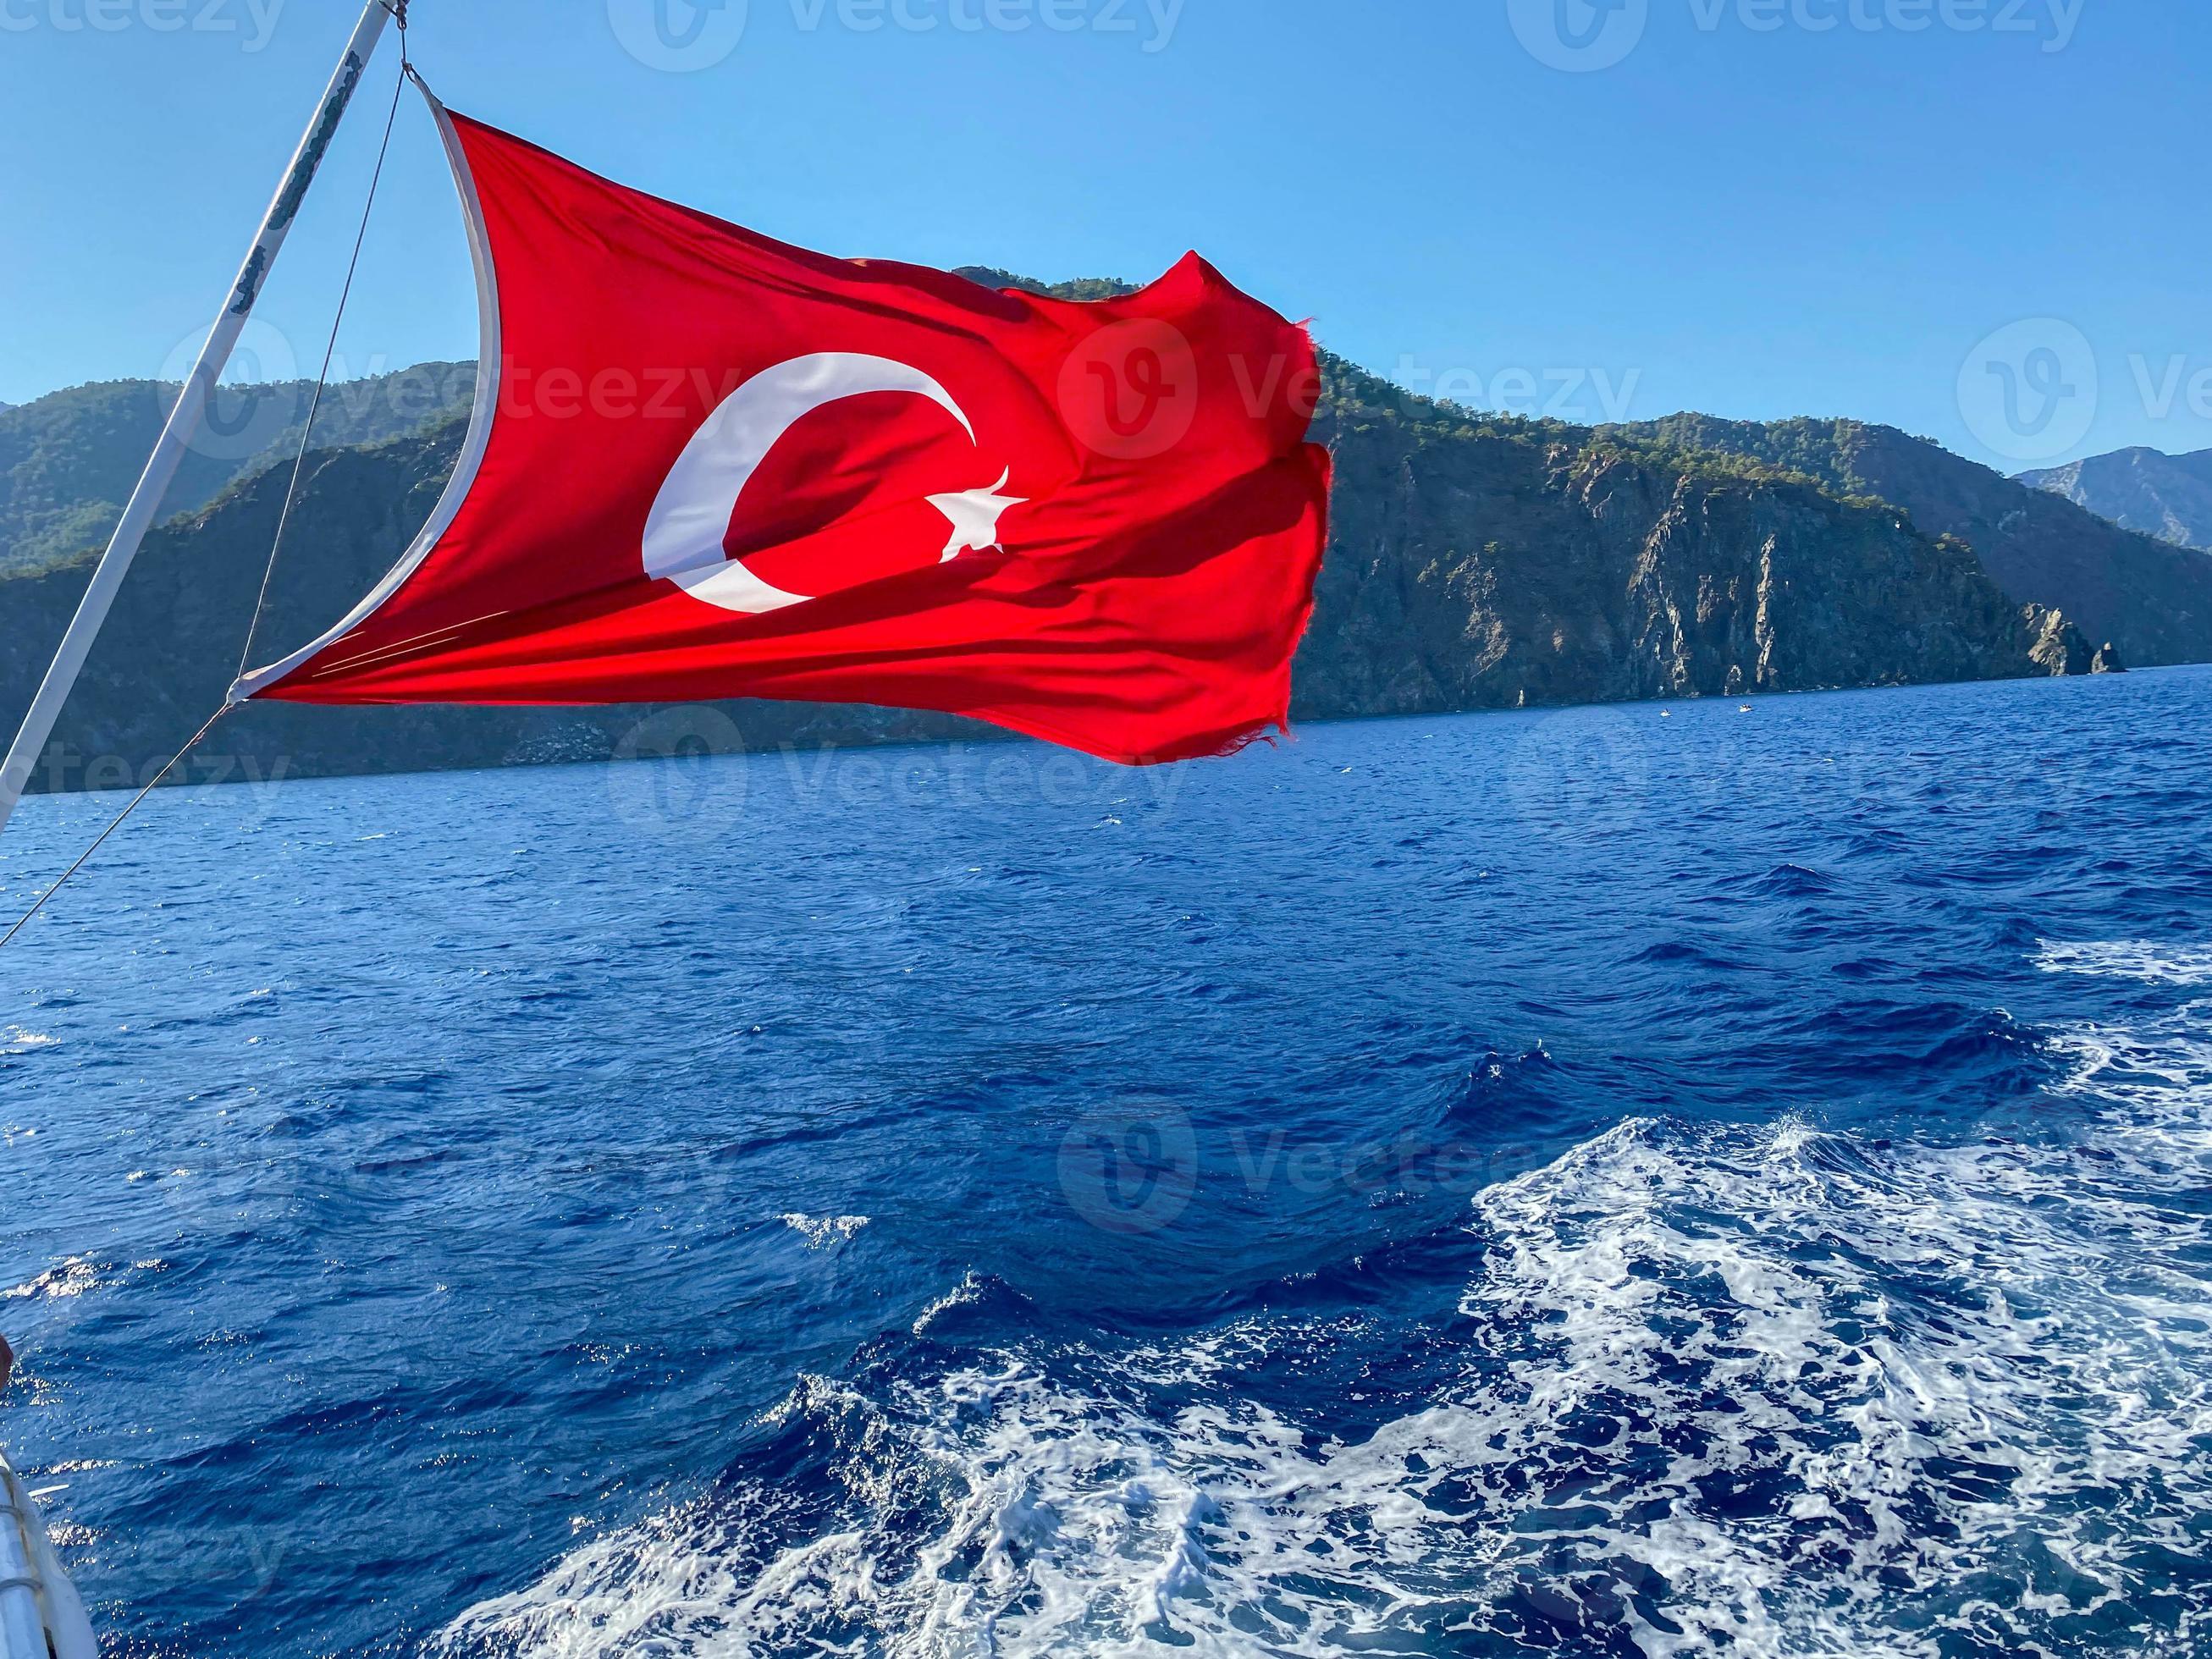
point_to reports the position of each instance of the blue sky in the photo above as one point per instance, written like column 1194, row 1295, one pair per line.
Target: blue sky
column 1979, row 220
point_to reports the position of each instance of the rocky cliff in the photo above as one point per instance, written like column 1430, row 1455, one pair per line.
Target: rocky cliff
column 2152, row 600
column 1486, row 563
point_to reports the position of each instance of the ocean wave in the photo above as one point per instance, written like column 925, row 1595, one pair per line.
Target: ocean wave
column 1764, row 1391
column 2138, row 959
column 59, row 1283
column 825, row 1232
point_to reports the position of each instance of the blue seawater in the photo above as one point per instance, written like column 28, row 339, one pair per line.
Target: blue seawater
column 1623, row 1182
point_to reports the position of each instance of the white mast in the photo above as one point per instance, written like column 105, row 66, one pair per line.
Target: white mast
column 192, row 405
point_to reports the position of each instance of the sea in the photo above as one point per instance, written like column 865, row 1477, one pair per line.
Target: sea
column 1673, row 1179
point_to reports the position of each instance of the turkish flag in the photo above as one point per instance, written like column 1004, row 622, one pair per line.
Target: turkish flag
column 706, row 465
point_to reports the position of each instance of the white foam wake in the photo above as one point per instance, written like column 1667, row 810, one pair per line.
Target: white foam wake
column 1755, row 1391
column 825, row 1232
column 2138, row 959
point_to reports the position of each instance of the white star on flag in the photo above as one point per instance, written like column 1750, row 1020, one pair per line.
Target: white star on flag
column 974, row 514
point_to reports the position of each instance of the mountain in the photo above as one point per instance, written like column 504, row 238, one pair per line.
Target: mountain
column 2169, row 496
column 2150, row 599
column 68, row 461
column 1476, row 561
column 1480, row 562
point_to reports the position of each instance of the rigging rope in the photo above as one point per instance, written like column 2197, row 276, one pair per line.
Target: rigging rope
column 136, row 800
column 398, row 9
column 330, row 353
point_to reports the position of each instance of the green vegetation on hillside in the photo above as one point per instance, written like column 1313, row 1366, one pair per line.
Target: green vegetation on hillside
column 68, row 462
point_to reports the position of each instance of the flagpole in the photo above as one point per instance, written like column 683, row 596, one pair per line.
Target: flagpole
column 184, row 422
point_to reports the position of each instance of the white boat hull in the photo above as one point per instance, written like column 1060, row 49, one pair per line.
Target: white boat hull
column 41, row 1615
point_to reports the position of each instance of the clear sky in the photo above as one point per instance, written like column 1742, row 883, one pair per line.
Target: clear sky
column 1979, row 220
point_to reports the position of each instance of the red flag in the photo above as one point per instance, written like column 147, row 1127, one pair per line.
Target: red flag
column 706, row 465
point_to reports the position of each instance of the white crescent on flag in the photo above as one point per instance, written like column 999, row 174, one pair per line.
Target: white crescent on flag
column 691, row 518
